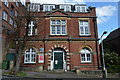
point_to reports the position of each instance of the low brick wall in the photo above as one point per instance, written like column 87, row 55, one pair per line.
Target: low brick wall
column 38, row 68
column 97, row 73
column 113, row 75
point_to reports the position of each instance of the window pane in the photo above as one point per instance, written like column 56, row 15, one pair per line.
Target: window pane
column 81, row 22
column 81, row 30
column 32, row 57
column 32, row 50
column 82, row 57
column 67, row 8
column 63, row 22
column 58, row 22
column 88, row 57
column 53, row 22
column 58, row 29
column 26, row 58
column 82, row 9
column 46, row 8
column 51, row 7
column 63, row 30
column 53, row 29
column 5, row 15
column 86, row 23
column 11, row 21
column 28, row 55
column 78, row 9
column 86, row 30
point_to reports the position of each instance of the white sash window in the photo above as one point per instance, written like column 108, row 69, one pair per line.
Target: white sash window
column 58, row 27
column 84, row 27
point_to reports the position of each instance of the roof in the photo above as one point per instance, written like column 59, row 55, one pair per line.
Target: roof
column 113, row 35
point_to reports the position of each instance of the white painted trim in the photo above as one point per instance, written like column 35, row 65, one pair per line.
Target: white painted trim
column 64, row 61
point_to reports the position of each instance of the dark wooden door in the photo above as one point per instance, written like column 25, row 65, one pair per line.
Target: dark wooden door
column 58, row 60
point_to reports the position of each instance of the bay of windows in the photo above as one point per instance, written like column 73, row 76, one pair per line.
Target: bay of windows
column 58, row 27
column 85, row 55
column 84, row 27
column 30, row 56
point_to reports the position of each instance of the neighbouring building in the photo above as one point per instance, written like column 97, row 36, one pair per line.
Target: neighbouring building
column 112, row 40
column 63, row 37
column 8, row 15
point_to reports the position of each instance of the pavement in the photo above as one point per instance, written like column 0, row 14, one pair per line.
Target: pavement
column 48, row 74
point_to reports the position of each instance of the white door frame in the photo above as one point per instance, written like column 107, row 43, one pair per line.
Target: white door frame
column 52, row 61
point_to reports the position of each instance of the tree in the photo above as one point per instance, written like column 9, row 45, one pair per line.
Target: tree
column 23, row 21
column 21, row 40
column 112, row 61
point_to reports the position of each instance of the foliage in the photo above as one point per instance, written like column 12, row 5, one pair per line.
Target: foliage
column 17, row 74
column 21, row 74
column 112, row 61
column 11, row 44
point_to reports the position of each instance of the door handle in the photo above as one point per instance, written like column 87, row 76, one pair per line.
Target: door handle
column 56, row 61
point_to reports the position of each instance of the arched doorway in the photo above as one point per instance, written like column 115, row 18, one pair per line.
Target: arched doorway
column 58, row 59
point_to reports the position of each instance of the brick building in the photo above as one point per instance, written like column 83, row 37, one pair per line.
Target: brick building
column 8, row 15
column 61, row 37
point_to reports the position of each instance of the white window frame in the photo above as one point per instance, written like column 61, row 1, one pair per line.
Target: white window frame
column 85, row 53
column 48, row 7
column 31, row 29
column 55, row 25
column 5, row 15
column 6, row 3
column 80, row 8
column 30, row 53
column 67, row 8
column 84, row 26
column 11, row 21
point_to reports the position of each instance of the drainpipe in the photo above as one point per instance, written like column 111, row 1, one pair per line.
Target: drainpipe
column 44, row 45
column 96, row 41
column 69, row 53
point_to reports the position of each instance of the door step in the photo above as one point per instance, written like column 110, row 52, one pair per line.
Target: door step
column 59, row 70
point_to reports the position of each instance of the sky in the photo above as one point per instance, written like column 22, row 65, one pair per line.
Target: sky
column 106, row 11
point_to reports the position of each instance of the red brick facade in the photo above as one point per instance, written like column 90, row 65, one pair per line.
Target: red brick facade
column 8, row 29
column 71, row 43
